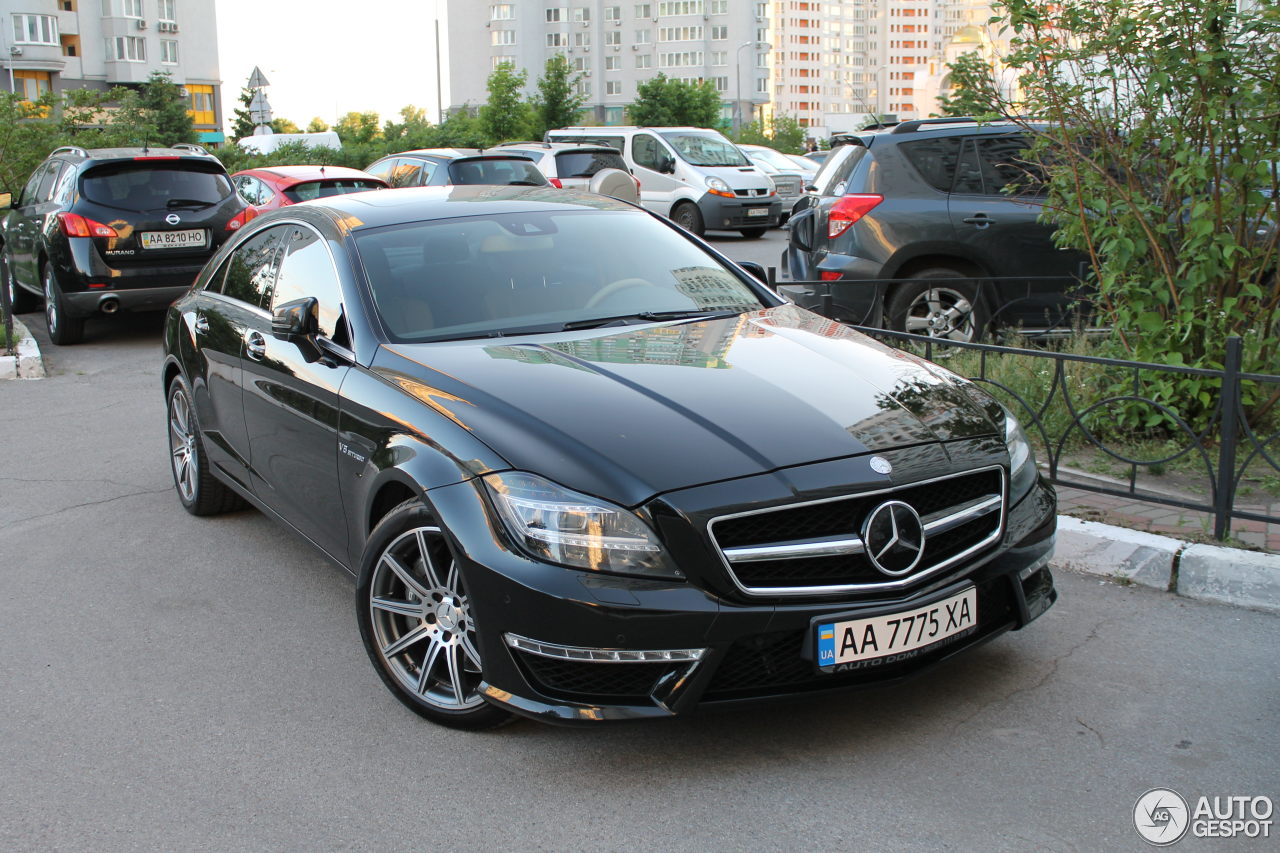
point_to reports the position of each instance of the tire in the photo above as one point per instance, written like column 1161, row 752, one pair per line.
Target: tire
column 20, row 300
column 753, row 233
column 64, row 330
column 417, row 624
column 198, row 490
column 687, row 216
column 943, row 310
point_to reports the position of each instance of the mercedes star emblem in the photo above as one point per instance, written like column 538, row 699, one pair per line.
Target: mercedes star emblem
column 894, row 538
column 881, row 465
column 173, row 219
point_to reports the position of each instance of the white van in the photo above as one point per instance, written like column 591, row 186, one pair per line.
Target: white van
column 691, row 174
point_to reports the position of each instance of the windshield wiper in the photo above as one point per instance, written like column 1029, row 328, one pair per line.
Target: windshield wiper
column 684, row 314
column 187, row 202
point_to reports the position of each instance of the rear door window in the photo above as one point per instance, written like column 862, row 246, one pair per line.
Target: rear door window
column 251, row 277
column 308, row 270
column 151, row 186
column 1004, row 169
column 407, row 172
column 935, row 160
column 584, row 164
column 45, row 191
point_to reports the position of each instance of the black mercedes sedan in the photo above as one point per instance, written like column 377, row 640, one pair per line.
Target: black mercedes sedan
column 585, row 468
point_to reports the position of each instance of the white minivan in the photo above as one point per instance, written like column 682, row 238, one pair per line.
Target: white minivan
column 691, row 174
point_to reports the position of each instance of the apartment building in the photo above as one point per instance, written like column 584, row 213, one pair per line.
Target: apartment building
column 55, row 45
column 616, row 45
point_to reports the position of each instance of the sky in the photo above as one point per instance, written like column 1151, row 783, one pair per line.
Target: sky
column 325, row 58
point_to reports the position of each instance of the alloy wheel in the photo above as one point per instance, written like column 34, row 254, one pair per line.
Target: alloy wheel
column 182, row 445
column 422, row 623
column 942, row 312
column 50, row 304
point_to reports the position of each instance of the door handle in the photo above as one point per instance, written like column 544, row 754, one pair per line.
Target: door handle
column 201, row 325
column 255, row 346
column 979, row 219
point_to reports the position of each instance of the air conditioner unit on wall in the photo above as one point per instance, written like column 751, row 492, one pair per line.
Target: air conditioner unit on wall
column 142, row 25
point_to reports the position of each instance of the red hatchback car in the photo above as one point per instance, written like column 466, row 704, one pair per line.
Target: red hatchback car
column 277, row 186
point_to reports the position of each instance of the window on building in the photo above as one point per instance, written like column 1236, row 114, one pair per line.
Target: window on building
column 127, row 49
column 613, row 13
column 582, row 14
column 555, row 15
column 557, row 40
column 168, row 52
column 131, row 8
column 613, row 37
column 582, row 39
column 166, row 11
column 67, row 5
column 581, row 63
column 644, row 60
column 684, row 59
column 502, row 37
column 584, row 88
column 613, row 63
column 31, row 84
column 613, row 87
column 35, row 29
column 498, row 61
column 721, row 83
column 680, row 34
column 719, row 33
column 613, row 115
column 719, row 57
column 644, row 10
column 680, row 7
column 643, row 36
column 500, row 12
column 201, row 104
column 70, row 45
column 718, row 7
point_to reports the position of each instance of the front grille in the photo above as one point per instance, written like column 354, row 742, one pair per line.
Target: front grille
column 751, row 193
column 814, row 523
column 573, row 679
column 771, row 664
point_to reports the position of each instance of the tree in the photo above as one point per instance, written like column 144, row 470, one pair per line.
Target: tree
column 973, row 88
column 357, row 128
column 164, row 110
column 283, row 125
column 784, row 134
column 461, row 129
column 317, row 125
column 557, row 102
column 661, row 101
column 241, row 124
column 1159, row 152
column 506, row 115
column 412, row 131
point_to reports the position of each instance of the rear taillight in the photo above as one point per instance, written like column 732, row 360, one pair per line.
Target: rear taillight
column 75, row 225
column 849, row 210
column 555, row 182
column 829, row 275
column 241, row 219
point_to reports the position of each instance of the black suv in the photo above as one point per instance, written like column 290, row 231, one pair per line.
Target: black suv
column 925, row 213
column 110, row 229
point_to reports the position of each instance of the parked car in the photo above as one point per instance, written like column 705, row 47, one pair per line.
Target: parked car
column 593, row 168
column 543, row 431
column 438, row 167
column 809, row 168
column 788, row 179
column 104, row 230
column 818, row 157
column 278, row 186
column 932, row 201
column 693, row 175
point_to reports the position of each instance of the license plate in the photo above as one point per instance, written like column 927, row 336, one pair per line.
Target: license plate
column 173, row 239
column 757, row 211
column 855, row 643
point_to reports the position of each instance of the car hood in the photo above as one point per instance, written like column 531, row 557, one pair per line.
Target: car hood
column 627, row 413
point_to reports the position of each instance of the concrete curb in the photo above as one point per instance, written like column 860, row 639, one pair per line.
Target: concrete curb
column 1208, row 572
column 27, row 364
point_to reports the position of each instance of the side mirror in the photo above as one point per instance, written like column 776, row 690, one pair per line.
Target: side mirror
column 667, row 165
column 297, row 319
column 802, row 229
column 6, row 201
column 756, row 270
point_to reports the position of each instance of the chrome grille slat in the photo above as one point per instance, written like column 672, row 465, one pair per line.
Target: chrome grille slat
column 941, row 526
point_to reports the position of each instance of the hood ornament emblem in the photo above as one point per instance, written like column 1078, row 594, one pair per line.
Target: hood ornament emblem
column 881, row 465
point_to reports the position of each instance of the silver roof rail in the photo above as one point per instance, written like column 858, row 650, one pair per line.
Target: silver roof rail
column 188, row 146
column 74, row 149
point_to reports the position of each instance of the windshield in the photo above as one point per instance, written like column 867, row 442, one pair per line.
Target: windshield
column 705, row 149
column 775, row 159
column 145, row 185
column 522, row 273
column 324, row 189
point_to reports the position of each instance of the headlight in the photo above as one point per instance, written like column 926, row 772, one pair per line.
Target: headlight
column 719, row 187
column 576, row 530
column 1022, row 459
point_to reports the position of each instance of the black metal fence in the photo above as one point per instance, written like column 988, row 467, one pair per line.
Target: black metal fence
column 1225, row 446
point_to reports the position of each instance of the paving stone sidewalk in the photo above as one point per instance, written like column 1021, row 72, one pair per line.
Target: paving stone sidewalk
column 1168, row 520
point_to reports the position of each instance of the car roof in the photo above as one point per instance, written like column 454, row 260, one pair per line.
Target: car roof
column 627, row 129
column 97, row 155
column 297, row 174
column 555, row 147
column 417, row 204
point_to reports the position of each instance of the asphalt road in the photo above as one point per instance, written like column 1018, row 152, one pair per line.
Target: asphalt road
column 173, row 683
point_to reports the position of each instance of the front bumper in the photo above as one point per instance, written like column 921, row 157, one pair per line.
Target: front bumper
column 730, row 214
column 749, row 651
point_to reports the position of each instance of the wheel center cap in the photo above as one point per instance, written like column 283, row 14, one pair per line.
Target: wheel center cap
column 448, row 616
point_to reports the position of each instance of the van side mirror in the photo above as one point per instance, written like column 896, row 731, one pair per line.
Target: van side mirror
column 6, row 201
column 667, row 165
column 297, row 319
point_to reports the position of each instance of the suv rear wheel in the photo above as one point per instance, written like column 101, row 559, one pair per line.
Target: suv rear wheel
column 63, row 329
column 940, row 309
